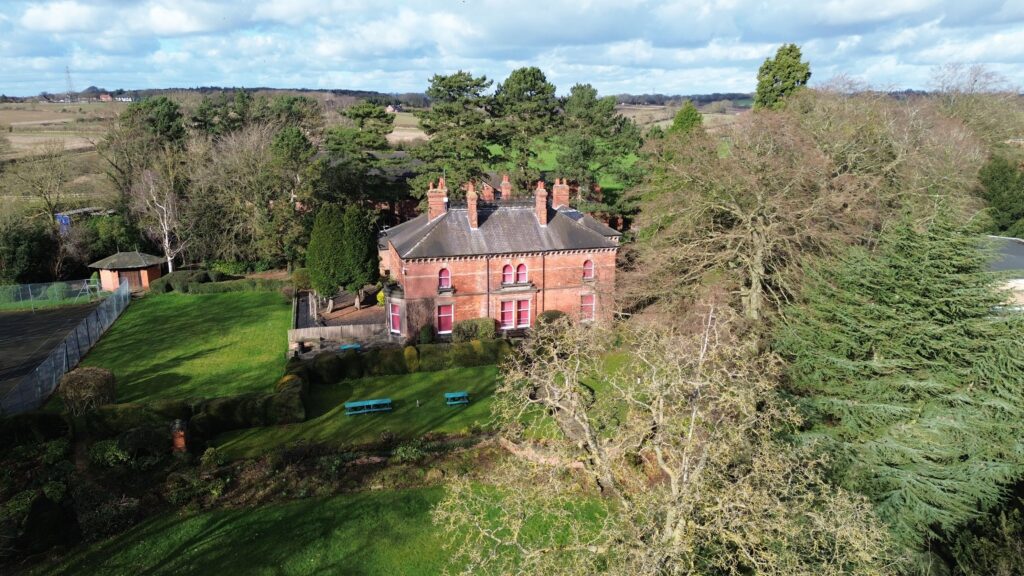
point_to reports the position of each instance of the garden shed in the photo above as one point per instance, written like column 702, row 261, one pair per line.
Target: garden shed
column 138, row 268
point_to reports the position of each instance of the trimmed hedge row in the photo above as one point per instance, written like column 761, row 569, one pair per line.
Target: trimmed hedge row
column 330, row 367
column 474, row 329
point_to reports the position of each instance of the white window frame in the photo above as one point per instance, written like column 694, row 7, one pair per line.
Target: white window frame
column 528, row 317
column 391, row 318
column 501, row 315
column 593, row 308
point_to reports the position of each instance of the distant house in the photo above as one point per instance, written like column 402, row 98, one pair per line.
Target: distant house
column 1010, row 262
column 393, row 108
column 106, row 97
column 138, row 268
column 496, row 256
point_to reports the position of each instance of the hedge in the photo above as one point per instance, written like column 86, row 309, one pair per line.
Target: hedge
column 215, row 282
column 474, row 329
column 329, row 367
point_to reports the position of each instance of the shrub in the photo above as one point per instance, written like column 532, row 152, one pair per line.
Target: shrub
column 218, row 276
column 230, row 268
column 352, row 365
column 211, row 458
column 434, row 357
column 300, row 279
column 145, row 441
column 55, row 451
column 160, row 286
column 86, row 388
column 384, row 361
column 108, row 453
column 549, row 316
column 199, row 277
column 408, row 453
column 179, row 280
column 412, row 359
column 100, row 513
column 328, row 368
column 380, row 298
column 57, row 291
column 474, row 329
column 426, row 335
column 55, row 490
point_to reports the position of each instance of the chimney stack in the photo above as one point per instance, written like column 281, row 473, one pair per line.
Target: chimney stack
column 488, row 192
column 437, row 200
column 541, row 203
column 560, row 194
column 474, row 221
column 506, row 187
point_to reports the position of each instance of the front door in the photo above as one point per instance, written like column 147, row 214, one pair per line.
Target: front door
column 134, row 278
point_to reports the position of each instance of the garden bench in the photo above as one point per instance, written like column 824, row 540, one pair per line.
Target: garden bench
column 344, row 347
column 456, row 398
column 367, row 406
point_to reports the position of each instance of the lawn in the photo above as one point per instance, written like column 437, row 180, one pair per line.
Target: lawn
column 386, row 533
column 203, row 345
column 328, row 424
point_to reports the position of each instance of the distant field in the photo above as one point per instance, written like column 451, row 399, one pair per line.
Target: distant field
column 407, row 127
column 31, row 125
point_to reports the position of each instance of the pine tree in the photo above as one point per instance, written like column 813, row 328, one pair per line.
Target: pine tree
column 781, row 76
column 910, row 377
column 525, row 110
column 687, row 119
column 324, row 257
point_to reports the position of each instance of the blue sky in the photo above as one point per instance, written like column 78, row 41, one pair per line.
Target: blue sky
column 636, row 46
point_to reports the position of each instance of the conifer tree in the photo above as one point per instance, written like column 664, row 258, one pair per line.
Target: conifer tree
column 780, row 76
column 358, row 248
column 324, row 257
column 911, row 377
column 687, row 119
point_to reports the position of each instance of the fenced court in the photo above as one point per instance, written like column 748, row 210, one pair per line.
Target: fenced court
column 40, row 344
column 33, row 297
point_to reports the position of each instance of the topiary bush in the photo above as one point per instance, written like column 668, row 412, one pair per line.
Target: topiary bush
column 474, row 329
column 179, row 280
column 57, row 291
column 384, row 361
column 426, row 335
column 199, row 277
column 434, row 357
column 412, row 359
column 86, row 388
column 549, row 316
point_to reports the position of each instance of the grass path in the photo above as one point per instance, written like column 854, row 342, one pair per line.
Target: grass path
column 371, row 533
column 328, row 424
column 203, row 345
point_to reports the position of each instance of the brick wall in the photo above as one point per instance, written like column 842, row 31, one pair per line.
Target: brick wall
column 555, row 282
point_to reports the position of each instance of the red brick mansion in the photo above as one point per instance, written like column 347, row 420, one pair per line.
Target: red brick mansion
column 496, row 256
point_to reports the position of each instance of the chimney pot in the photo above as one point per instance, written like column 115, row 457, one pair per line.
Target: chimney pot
column 560, row 193
column 506, row 187
column 474, row 221
column 488, row 192
column 541, row 203
column 437, row 200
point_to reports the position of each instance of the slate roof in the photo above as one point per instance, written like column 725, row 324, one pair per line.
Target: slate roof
column 1010, row 255
column 503, row 230
column 127, row 261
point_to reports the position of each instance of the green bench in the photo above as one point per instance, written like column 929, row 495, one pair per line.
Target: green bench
column 456, row 398
column 367, row 406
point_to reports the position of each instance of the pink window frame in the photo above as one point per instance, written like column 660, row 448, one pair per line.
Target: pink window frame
column 450, row 315
column 444, row 279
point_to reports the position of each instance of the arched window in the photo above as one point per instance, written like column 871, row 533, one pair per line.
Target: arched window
column 444, row 279
column 521, row 274
column 588, row 270
column 507, row 276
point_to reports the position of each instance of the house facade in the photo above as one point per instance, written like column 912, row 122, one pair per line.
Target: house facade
column 496, row 256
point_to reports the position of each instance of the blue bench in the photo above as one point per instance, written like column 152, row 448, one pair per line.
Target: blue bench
column 367, row 406
column 344, row 347
column 456, row 398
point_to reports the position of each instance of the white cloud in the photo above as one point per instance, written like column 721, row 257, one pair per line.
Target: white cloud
column 65, row 16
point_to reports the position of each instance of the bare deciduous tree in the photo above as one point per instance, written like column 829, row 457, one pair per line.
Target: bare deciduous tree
column 157, row 198
column 656, row 461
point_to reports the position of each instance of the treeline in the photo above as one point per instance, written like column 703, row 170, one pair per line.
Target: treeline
column 814, row 373
column 663, row 99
